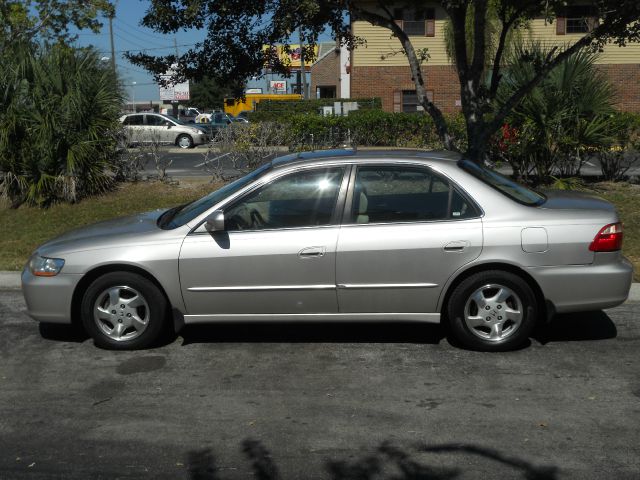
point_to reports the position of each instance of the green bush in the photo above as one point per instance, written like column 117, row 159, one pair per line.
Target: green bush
column 366, row 128
column 275, row 109
column 59, row 110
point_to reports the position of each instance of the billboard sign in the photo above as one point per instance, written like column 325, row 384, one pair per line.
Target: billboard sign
column 290, row 58
column 173, row 91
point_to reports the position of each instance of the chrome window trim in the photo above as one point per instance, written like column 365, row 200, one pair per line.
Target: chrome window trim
column 269, row 177
column 420, row 165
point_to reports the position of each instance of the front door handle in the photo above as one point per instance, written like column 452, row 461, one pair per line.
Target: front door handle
column 311, row 252
column 456, row 246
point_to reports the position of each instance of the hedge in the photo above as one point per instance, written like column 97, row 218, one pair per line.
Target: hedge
column 275, row 109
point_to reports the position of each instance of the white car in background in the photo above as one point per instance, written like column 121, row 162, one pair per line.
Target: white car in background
column 150, row 128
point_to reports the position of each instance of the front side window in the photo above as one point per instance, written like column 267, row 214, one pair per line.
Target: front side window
column 384, row 194
column 303, row 199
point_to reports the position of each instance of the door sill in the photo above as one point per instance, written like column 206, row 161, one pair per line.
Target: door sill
column 313, row 317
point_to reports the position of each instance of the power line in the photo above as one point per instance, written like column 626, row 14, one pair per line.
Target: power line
column 149, row 49
column 157, row 37
column 137, row 39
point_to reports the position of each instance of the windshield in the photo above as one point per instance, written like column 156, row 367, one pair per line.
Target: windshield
column 178, row 216
column 505, row 185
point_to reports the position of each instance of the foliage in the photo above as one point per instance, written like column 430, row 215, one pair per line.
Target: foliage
column 275, row 109
column 237, row 32
column 209, row 93
column 48, row 20
column 59, row 110
column 362, row 128
column 561, row 122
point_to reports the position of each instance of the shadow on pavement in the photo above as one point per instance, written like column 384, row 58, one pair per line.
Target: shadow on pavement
column 577, row 327
column 62, row 332
column 362, row 332
column 387, row 462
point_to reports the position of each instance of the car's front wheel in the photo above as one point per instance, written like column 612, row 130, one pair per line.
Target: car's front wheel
column 124, row 311
column 492, row 311
column 184, row 141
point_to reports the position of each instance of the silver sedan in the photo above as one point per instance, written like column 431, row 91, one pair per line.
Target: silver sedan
column 340, row 236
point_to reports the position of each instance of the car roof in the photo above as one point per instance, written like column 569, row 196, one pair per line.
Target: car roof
column 349, row 154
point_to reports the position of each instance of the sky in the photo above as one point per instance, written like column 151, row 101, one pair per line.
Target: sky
column 128, row 35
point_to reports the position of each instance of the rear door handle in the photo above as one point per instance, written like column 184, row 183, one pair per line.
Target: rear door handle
column 311, row 252
column 456, row 246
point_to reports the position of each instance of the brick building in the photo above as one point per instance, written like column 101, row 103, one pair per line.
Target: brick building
column 379, row 67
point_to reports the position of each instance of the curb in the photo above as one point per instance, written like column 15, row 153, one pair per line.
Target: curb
column 11, row 281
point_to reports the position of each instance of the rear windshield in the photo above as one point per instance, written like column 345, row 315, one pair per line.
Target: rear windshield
column 505, row 185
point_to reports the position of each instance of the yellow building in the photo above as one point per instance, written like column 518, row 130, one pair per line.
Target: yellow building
column 379, row 68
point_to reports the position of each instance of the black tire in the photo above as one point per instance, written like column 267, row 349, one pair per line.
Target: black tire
column 494, row 325
column 184, row 141
column 143, row 325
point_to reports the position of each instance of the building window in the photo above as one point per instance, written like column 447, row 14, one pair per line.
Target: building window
column 416, row 22
column 326, row 92
column 577, row 19
column 410, row 101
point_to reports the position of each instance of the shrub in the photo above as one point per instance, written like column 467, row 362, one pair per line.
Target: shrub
column 59, row 110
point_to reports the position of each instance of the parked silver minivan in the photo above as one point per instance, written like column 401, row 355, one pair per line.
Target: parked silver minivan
column 147, row 128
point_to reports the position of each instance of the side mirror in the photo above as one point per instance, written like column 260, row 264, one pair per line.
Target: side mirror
column 167, row 124
column 215, row 221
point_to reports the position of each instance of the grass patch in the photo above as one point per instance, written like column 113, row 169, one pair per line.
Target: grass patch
column 25, row 228
column 626, row 198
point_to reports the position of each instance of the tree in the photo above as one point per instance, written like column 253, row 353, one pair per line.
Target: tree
column 59, row 110
column 48, row 20
column 238, row 29
column 209, row 93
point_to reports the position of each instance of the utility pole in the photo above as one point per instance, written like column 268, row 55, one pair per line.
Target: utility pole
column 113, row 50
column 303, row 72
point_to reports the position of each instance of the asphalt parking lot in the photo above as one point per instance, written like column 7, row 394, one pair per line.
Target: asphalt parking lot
column 344, row 402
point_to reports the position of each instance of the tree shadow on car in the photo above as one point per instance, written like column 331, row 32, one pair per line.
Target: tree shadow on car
column 577, row 327
column 316, row 332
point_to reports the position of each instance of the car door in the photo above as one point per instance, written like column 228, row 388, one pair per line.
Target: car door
column 406, row 230
column 276, row 254
column 157, row 130
column 134, row 127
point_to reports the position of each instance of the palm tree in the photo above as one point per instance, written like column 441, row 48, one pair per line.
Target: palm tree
column 60, row 107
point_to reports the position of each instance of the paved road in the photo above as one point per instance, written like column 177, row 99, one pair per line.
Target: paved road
column 192, row 163
column 368, row 401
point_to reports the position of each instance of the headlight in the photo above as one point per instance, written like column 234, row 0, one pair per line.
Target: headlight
column 45, row 267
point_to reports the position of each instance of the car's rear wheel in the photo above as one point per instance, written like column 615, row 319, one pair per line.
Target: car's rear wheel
column 124, row 311
column 184, row 141
column 492, row 311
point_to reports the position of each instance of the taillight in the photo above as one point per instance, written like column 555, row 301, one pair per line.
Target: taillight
column 608, row 239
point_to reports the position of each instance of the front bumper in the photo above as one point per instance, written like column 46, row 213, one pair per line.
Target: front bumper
column 574, row 288
column 48, row 299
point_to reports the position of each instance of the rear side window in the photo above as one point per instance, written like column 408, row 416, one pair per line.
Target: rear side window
column 133, row 120
column 384, row 194
column 506, row 186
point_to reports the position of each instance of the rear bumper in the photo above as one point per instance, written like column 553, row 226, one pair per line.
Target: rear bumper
column 575, row 288
column 48, row 299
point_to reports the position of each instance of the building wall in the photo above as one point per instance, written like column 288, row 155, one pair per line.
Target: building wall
column 326, row 72
column 387, row 82
column 380, row 68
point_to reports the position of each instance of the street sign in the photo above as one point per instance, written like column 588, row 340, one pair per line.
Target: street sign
column 173, row 91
